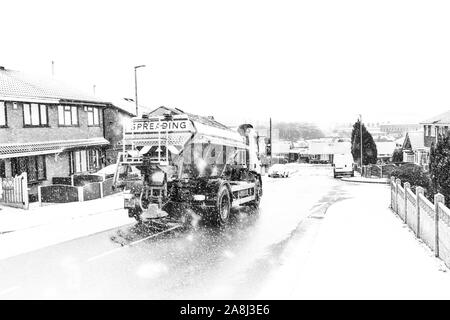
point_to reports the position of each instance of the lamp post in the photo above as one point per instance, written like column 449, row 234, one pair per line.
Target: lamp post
column 135, row 85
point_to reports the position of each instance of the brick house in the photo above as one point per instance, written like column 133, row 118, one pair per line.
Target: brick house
column 116, row 115
column 434, row 127
column 48, row 129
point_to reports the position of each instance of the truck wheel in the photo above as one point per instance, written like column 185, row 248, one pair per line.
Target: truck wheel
column 222, row 211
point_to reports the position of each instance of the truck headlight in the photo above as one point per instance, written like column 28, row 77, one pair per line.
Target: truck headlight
column 199, row 197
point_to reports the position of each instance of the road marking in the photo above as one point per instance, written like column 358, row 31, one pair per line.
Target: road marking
column 9, row 290
column 130, row 244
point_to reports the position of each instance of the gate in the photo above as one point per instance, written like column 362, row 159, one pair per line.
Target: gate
column 14, row 191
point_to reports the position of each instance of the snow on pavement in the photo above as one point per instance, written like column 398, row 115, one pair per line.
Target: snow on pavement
column 360, row 250
column 39, row 227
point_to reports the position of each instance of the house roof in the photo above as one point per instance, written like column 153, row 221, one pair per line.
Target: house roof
column 443, row 118
column 323, row 147
column 385, row 147
column 400, row 141
column 126, row 105
column 281, row 147
column 11, row 150
column 204, row 120
column 414, row 140
column 15, row 85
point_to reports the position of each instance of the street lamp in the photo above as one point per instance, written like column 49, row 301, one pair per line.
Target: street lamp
column 135, row 86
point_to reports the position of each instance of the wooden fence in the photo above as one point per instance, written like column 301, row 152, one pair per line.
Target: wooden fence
column 429, row 221
column 14, row 191
column 379, row 171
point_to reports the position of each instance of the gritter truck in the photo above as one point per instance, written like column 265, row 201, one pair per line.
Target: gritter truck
column 180, row 167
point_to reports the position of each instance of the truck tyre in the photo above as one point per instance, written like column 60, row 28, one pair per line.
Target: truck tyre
column 221, row 214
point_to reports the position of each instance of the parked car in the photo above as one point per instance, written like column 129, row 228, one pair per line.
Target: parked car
column 278, row 171
column 343, row 165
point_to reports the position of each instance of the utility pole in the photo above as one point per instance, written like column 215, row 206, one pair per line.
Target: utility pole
column 53, row 68
column 270, row 140
column 361, row 145
column 135, row 86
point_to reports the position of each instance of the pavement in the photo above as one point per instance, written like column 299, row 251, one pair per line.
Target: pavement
column 23, row 231
column 366, row 180
column 14, row 219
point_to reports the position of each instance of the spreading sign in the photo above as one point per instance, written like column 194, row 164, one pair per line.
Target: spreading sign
column 155, row 126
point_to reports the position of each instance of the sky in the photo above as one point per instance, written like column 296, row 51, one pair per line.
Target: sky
column 319, row 61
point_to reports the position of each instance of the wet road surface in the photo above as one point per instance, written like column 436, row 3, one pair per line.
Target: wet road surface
column 197, row 263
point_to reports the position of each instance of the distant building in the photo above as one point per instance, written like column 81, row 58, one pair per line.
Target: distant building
column 414, row 149
column 280, row 151
column 398, row 130
column 385, row 150
column 323, row 150
column 435, row 127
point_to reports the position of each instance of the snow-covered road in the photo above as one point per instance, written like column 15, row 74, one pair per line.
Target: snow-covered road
column 291, row 249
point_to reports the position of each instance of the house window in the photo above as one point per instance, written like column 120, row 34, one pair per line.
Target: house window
column 34, row 114
column 93, row 116
column 84, row 160
column 3, row 122
column 67, row 116
column 34, row 166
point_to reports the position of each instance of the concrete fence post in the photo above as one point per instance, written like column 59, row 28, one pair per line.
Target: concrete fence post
column 392, row 190
column 80, row 194
column 437, row 198
column 419, row 191
column 398, row 184
column 407, row 187
column 101, row 189
column 40, row 196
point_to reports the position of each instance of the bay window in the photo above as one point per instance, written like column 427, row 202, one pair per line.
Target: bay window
column 34, row 166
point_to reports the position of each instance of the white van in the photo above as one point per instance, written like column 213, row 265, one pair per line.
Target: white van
column 343, row 165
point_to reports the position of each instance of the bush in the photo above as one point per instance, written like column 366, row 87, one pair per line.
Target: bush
column 440, row 167
column 397, row 156
column 416, row 176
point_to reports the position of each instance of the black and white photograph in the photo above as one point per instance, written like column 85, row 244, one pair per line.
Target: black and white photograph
column 205, row 151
